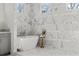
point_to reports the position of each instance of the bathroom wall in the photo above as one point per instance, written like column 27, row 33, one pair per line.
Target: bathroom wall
column 3, row 24
column 64, row 33
column 23, row 20
column 61, row 24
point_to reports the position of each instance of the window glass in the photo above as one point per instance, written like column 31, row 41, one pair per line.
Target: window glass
column 72, row 6
column 19, row 7
column 44, row 8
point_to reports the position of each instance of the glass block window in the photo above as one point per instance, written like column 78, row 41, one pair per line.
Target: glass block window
column 19, row 7
column 72, row 6
column 44, row 8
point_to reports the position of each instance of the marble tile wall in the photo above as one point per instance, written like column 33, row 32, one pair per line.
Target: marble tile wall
column 61, row 24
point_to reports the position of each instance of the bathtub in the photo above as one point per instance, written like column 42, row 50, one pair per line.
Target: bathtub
column 27, row 42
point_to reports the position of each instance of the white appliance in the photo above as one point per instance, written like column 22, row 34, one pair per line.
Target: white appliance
column 5, row 43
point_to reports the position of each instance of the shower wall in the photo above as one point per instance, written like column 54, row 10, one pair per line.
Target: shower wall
column 61, row 24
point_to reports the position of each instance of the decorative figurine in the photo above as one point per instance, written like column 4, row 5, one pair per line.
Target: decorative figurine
column 41, row 40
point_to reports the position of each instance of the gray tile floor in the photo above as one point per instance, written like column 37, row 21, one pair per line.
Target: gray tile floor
column 48, row 52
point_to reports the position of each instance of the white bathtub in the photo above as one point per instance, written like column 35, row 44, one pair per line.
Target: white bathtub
column 27, row 42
